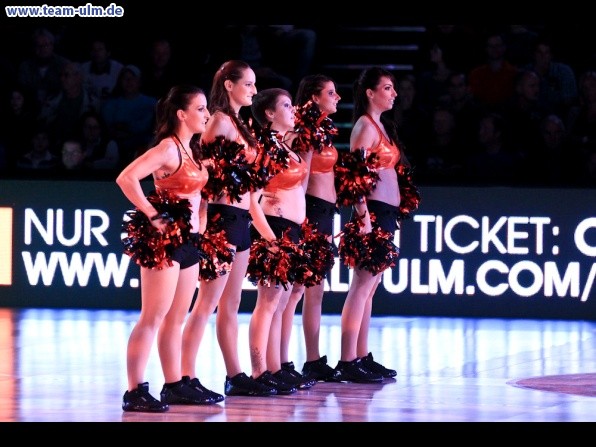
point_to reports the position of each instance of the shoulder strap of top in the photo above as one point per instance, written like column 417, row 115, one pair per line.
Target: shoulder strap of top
column 381, row 134
column 179, row 147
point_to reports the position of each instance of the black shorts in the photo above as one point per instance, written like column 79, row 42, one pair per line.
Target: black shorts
column 188, row 254
column 386, row 215
column 235, row 221
column 279, row 225
column 321, row 212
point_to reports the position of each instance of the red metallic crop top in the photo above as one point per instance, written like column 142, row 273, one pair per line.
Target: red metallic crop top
column 323, row 161
column 186, row 181
column 388, row 152
column 291, row 177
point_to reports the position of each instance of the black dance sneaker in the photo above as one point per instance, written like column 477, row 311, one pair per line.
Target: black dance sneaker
column 195, row 383
column 319, row 370
column 139, row 399
column 355, row 371
column 376, row 367
column 242, row 385
column 281, row 387
column 183, row 394
column 295, row 378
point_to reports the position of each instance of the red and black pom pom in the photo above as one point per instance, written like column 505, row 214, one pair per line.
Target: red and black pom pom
column 146, row 246
column 410, row 196
column 272, row 263
column 317, row 256
column 273, row 157
column 374, row 251
column 356, row 176
column 218, row 255
column 314, row 128
column 229, row 170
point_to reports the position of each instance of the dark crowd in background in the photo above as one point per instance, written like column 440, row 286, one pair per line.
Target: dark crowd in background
column 511, row 105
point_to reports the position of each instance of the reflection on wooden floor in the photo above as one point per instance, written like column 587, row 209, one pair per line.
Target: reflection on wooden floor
column 69, row 365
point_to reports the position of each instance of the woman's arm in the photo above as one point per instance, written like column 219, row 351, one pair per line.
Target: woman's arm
column 307, row 157
column 129, row 180
column 203, row 215
column 364, row 135
column 258, row 217
column 219, row 124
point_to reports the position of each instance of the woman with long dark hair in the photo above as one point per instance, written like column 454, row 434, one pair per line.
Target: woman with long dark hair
column 316, row 100
column 233, row 207
column 163, row 234
column 375, row 218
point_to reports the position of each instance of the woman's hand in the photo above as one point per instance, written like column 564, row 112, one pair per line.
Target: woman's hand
column 160, row 222
column 273, row 246
column 367, row 226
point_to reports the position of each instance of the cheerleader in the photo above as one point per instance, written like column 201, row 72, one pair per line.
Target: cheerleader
column 366, row 244
column 162, row 234
column 317, row 99
column 233, row 191
column 275, row 269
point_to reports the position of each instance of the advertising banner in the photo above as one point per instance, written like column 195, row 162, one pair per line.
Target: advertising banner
column 479, row 252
